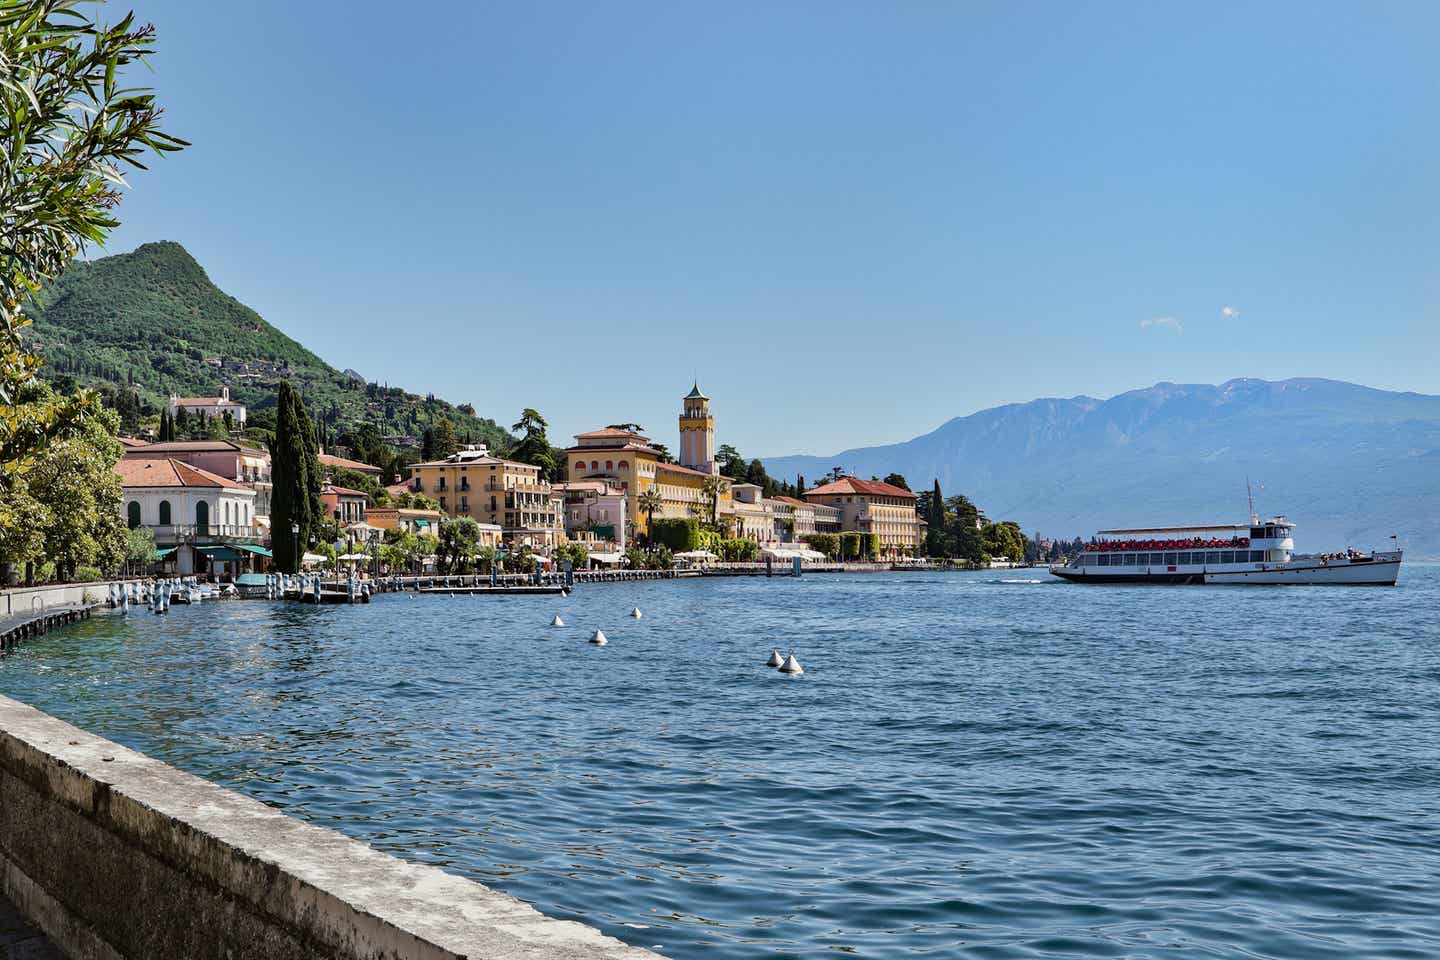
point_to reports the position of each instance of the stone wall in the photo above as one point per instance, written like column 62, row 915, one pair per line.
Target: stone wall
column 116, row 855
column 18, row 600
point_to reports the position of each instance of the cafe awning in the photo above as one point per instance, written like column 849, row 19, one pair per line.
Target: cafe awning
column 222, row 554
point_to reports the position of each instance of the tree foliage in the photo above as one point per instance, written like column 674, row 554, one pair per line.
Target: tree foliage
column 295, row 475
column 534, row 447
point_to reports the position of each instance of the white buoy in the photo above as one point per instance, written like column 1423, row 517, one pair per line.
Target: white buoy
column 635, row 612
column 599, row 638
column 557, row 622
column 791, row 665
column 775, row 658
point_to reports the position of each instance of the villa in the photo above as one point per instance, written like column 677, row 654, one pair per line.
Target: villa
column 195, row 515
column 210, row 407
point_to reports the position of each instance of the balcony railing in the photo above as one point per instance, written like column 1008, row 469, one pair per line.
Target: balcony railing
column 176, row 533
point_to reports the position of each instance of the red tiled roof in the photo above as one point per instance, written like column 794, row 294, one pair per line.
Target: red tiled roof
column 395, row 489
column 205, row 402
column 330, row 460
column 610, row 432
column 196, row 446
column 676, row 468
column 344, row 491
column 168, row 472
column 132, row 442
column 612, row 448
column 854, row 485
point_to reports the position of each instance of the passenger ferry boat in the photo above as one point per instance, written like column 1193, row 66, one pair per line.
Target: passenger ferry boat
column 1256, row 553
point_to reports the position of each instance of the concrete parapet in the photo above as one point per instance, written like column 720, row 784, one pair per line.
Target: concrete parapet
column 116, row 855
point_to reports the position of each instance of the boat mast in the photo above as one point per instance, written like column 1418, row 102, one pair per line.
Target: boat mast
column 1254, row 519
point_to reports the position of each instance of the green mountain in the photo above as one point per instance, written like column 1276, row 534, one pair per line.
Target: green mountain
column 152, row 320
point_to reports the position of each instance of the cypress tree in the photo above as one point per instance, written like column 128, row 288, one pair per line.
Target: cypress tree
column 294, row 470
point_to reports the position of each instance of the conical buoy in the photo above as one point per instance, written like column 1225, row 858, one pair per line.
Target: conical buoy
column 635, row 612
column 775, row 658
column 791, row 665
column 599, row 638
column 557, row 622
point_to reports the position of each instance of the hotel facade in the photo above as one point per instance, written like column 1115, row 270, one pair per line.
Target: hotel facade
column 491, row 490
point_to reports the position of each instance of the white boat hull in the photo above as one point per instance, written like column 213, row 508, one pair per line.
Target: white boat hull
column 1382, row 571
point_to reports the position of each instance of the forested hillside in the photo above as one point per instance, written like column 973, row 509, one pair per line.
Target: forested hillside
column 152, row 321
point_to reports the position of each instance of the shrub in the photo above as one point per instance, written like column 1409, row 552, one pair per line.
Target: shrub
column 850, row 545
column 870, row 546
column 739, row 550
column 84, row 573
column 680, row 535
column 826, row 543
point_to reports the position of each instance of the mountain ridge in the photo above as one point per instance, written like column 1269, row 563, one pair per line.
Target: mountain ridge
column 1350, row 463
column 153, row 320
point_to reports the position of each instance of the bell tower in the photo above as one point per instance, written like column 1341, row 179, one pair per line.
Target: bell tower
column 697, row 433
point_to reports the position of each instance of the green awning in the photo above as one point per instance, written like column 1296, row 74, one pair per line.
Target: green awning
column 162, row 554
column 223, row 553
column 251, row 548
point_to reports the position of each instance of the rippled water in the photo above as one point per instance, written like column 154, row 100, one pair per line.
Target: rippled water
column 971, row 764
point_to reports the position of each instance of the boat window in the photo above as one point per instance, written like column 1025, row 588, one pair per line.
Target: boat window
column 1257, row 556
column 1227, row 556
column 1104, row 559
column 1257, row 532
column 1170, row 559
column 1129, row 559
column 1212, row 556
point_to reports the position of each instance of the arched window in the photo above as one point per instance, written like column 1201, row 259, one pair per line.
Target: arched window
column 225, row 513
column 624, row 464
column 165, row 513
column 202, row 517
column 594, row 464
column 132, row 514
column 609, row 464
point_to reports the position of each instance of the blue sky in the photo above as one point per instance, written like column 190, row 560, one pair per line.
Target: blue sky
column 851, row 221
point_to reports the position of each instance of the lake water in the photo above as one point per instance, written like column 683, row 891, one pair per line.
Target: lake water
column 973, row 764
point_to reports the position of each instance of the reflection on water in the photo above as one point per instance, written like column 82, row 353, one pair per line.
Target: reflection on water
column 970, row 764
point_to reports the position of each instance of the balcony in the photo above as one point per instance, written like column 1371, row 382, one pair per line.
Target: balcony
column 172, row 534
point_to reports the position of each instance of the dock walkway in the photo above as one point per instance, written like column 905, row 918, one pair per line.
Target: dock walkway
column 20, row 626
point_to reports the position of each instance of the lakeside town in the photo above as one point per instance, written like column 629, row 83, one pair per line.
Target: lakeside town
column 615, row 498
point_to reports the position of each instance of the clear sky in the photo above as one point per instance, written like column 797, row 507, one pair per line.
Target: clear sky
column 851, row 221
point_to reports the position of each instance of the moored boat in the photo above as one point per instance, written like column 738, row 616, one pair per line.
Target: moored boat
column 1257, row 553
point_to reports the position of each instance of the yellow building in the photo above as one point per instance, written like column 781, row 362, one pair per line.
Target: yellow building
column 471, row 483
column 870, row 506
column 627, row 458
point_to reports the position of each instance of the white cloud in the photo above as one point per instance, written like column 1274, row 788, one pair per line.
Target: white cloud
column 1229, row 312
column 1167, row 323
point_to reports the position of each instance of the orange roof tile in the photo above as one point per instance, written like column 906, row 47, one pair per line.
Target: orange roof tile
column 168, row 472
column 854, row 485
column 330, row 460
column 676, row 468
column 608, row 432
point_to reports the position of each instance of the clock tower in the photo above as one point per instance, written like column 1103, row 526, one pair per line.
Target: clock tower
column 697, row 433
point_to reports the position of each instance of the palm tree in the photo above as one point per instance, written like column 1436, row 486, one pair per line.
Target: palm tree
column 650, row 500
column 711, row 487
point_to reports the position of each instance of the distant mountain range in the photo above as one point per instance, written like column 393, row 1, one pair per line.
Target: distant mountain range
column 1349, row 464
column 152, row 320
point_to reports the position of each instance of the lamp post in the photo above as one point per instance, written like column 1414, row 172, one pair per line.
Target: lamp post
column 295, row 533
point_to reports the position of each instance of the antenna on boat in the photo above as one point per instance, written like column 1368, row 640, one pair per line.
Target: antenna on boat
column 1254, row 519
